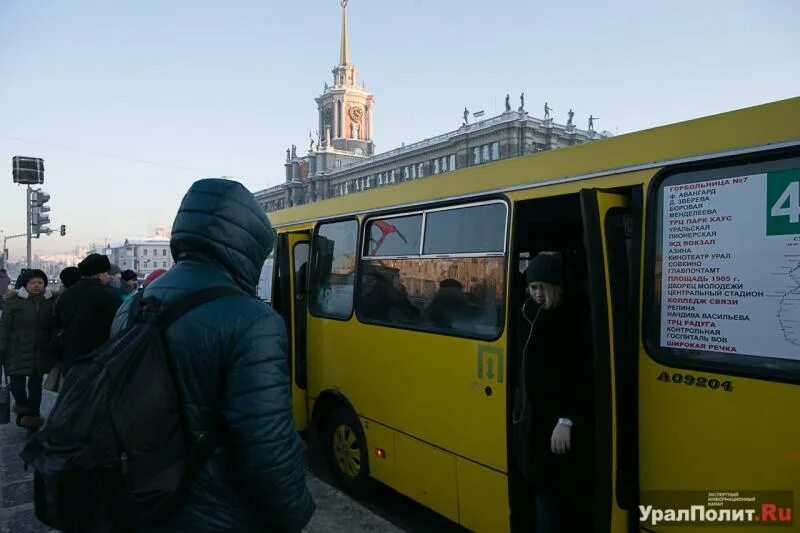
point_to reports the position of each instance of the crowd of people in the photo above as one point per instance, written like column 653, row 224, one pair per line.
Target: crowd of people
column 228, row 359
column 44, row 330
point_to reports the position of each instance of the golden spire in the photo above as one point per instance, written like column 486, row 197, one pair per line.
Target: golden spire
column 344, row 50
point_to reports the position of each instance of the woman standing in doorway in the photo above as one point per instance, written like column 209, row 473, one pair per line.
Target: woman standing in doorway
column 546, row 404
column 26, row 330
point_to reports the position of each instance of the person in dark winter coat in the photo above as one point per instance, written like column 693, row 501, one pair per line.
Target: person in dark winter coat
column 85, row 311
column 26, row 330
column 20, row 283
column 231, row 365
column 114, row 276
column 130, row 284
column 5, row 281
column 69, row 277
column 547, row 411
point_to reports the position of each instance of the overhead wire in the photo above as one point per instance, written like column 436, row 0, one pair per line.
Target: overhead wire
column 103, row 154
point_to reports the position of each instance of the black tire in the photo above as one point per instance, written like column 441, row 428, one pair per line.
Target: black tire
column 345, row 450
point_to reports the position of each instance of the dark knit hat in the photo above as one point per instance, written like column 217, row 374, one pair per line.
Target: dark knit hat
column 546, row 268
column 70, row 276
column 33, row 273
column 129, row 275
column 94, row 264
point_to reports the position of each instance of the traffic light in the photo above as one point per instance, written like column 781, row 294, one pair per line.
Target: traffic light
column 39, row 216
column 63, row 230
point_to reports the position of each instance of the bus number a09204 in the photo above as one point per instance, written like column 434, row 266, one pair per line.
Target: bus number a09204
column 697, row 381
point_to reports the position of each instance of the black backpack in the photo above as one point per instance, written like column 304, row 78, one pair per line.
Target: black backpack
column 116, row 452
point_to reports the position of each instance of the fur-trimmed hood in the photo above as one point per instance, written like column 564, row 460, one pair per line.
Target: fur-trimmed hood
column 23, row 293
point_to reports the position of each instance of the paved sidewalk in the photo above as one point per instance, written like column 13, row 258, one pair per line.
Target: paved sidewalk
column 16, row 485
column 335, row 511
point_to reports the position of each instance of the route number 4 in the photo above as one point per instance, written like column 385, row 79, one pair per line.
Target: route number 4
column 788, row 204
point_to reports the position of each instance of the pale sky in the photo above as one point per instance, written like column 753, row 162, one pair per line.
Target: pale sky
column 130, row 102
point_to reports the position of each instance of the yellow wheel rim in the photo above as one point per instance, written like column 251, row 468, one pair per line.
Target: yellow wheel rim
column 346, row 451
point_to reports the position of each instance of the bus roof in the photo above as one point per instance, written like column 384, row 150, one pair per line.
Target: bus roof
column 768, row 124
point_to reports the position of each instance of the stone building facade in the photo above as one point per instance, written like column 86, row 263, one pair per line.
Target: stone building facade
column 341, row 160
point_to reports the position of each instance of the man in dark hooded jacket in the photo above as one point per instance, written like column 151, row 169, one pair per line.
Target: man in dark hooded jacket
column 231, row 366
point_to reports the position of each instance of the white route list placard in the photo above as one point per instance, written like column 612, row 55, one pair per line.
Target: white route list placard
column 730, row 271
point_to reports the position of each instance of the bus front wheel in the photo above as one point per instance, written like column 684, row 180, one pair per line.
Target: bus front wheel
column 346, row 450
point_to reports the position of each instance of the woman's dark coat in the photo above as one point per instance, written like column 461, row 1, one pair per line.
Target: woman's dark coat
column 555, row 372
column 26, row 330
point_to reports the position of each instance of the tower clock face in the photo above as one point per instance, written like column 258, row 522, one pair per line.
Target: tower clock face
column 356, row 113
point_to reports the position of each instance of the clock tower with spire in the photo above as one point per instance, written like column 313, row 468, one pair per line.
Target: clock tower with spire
column 345, row 109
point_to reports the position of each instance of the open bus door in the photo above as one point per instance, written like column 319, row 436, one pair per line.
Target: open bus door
column 609, row 230
column 290, row 300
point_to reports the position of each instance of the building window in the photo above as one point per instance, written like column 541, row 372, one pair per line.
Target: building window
column 391, row 176
column 485, row 149
column 164, row 252
column 332, row 279
column 145, row 251
column 406, row 174
column 435, row 166
column 413, row 172
column 420, row 170
column 452, row 161
column 495, row 151
column 476, row 156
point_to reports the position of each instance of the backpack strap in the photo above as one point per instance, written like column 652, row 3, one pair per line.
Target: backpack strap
column 193, row 300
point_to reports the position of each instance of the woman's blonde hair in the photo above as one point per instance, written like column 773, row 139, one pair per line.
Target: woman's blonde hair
column 552, row 294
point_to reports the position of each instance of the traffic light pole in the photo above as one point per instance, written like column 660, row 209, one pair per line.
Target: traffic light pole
column 28, row 208
column 4, row 251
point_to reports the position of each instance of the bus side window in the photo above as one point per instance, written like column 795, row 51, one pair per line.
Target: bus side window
column 455, row 286
column 333, row 275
